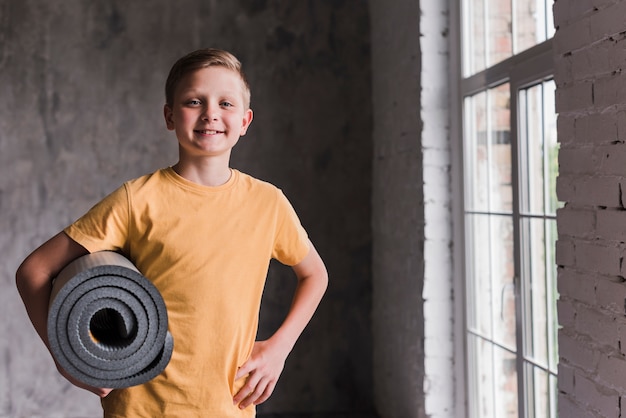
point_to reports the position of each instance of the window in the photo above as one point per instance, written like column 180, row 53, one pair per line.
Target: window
column 509, row 208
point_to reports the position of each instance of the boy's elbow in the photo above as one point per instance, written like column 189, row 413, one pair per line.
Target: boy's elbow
column 20, row 278
column 313, row 270
column 324, row 278
column 321, row 278
column 30, row 275
column 23, row 278
column 320, row 272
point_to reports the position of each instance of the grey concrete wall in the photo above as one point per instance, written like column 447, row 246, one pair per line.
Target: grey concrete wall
column 398, row 210
column 80, row 111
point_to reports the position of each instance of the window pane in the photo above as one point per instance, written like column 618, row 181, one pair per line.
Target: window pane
column 481, row 382
column 499, row 31
column 539, row 150
column 494, row 30
column 487, row 147
column 531, row 142
column 541, row 392
column 550, row 29
column 493, row 380
column 530, row 23
column 553, row 295
column 476, row 153
column 479, row 287
column 553, row 396
column 537, row 182
column 474, row 39
column 534, row 290
column 502, row 265
column 551, row 146
column 538, row 392
column 491, row 292
column 499, row 139
column 506, row 384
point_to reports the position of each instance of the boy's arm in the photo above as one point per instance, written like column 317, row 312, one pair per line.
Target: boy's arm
column 34, row 283
column 268, row 357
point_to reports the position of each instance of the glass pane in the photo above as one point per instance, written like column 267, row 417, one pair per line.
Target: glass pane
column 542, row 393
column 481, row 377
column 476, row 153
column 479, row 285
column 505, row 384
column 498, row 31
column 494, row 30
column 539, row 150
column 553, row 395
column 553, row 295
column 474, row 39
column 502, row 264
column 537, row 392
column 531, row 142
column 491, row 292
column 551, row 145
column 499, row 140
column 534, row 290
column 530, row 23
column 488, row 151
column 550, row 29
column 493, row 380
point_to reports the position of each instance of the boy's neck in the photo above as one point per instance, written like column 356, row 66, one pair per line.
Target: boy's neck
column 205, row 174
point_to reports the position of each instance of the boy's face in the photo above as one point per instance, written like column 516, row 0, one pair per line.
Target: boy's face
column 209, row 112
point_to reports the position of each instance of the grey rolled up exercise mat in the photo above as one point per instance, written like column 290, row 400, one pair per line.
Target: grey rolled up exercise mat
column 107, row 323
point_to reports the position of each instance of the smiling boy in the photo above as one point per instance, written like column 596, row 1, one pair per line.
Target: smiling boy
column 204, row 234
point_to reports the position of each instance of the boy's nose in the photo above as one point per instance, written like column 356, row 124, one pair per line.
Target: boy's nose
column 210, row 114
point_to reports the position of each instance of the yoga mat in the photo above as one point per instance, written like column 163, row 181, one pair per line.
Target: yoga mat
column 107, row 323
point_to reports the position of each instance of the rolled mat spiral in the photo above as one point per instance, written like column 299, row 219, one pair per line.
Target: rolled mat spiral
column 107, row 323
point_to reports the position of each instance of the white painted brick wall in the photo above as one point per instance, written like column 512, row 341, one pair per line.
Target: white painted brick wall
column 590, row 57
column 438, row 304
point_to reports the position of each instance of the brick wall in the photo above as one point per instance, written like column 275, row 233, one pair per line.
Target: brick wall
column 439, row 380
column 590, row 56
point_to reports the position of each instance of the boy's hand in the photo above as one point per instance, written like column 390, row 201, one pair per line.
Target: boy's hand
column 268, row 357
column 101, row 392
column 263, row 368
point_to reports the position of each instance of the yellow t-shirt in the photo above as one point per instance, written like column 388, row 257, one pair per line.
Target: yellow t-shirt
column 207, row 250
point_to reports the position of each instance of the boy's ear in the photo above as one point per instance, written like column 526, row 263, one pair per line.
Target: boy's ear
column 247, row 120
column 169, row 119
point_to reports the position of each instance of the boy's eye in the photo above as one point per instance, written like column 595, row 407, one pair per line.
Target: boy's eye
column 226, row 104
column 193, row 102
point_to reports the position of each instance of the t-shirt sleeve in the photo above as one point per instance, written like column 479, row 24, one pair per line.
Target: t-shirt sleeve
column 291, row 243
column 104, row 226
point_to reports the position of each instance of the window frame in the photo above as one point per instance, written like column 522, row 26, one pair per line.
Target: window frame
column 522, row 70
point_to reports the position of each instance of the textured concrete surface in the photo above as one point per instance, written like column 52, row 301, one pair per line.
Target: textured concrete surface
column 398, row 210
column 81, row 94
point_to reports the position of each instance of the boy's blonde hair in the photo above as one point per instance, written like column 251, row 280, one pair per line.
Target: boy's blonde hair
column 203, row 58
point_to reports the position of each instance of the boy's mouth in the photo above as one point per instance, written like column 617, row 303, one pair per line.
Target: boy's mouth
column 208, row 131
